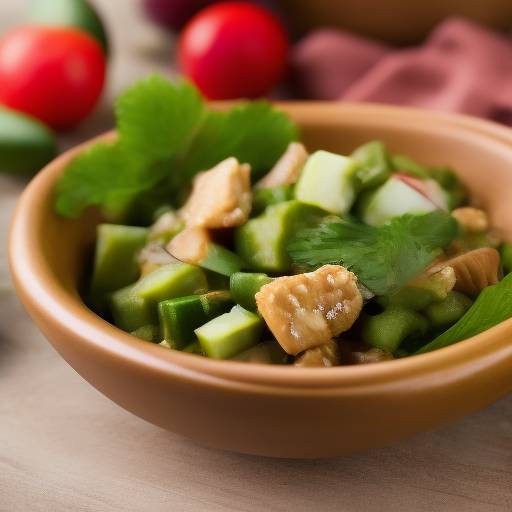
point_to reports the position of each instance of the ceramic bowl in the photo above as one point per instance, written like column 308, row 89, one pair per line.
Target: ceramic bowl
column 277, row 410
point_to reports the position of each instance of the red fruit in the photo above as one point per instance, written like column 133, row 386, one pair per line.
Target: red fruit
column 53, row 73
column 232, row 50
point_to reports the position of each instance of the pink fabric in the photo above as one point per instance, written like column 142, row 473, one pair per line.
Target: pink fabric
column 461, row 67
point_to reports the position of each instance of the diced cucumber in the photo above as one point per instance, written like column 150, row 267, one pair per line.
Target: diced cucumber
column 245, row 285
column 147, row 333
column 179, row 317
column 231, row 333
column 216, row 303
column 373, row 167
column 328, row 181
column 137, row 305
column 115, row 265
column 171, row 281
column 393, row 199
column 447, row 312
column 389, row 328
column 194, row 348
column 263, row 197
column 267, row 352
column 262, row 241
column 129, row 311
column 221, row 260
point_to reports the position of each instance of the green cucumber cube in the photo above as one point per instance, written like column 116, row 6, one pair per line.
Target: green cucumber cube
column 328, row 181
column 179, row 317
column 137, row 305
column 221, row 260
column 393, row 199
column 262, row 241
column 147, row 333
column 171, row 281
column 245, row 285
column 115, row 265
column 129, row 311
column 231, row 333
column 389, row 328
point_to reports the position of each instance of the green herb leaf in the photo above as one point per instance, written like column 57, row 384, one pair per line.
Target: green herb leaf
column 159, row 119
column 385, row 258
column 107, row 175
column 493, row 306
column 166, row 136
column 254, row 132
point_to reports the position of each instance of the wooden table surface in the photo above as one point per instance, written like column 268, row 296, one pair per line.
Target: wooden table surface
column 64, row 446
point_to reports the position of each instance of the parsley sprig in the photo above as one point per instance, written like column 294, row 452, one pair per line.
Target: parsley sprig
column 166, row 135
column 383, row 258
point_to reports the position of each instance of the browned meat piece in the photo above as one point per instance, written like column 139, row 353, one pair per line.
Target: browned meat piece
column 221, row 197
column 473, row 219
column 307, row 310
column 287, row 169
column 474, row 270
column 191, row 245
column 327, row 354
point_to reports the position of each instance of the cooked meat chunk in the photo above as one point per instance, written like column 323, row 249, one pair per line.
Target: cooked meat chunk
column 474, row 270
column 287, row 169
column 191, row 245
column 221, row 197
column 327, row 354
column 307, row 310
column 473, row 219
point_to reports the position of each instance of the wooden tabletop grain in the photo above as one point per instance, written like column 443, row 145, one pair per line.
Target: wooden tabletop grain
column 65, row 447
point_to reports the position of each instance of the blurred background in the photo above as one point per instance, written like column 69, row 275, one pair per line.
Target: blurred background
column 445, row 55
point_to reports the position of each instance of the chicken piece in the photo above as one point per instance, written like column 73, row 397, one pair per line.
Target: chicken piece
column 324, row 355
column 474, row 270
column 440, row 282
column 191, row 245
column 307, row 310
column 473, row 219
column 221, row 197
column 287, row 169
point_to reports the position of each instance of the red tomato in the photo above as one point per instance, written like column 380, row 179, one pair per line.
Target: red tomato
column 55, row 74
column 232, row 50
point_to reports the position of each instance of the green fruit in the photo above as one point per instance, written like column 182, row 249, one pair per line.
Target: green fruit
column 26, row 144
column 71, row 13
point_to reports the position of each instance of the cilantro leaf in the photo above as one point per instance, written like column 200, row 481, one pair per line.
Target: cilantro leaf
column 253, row 132
column 159, row 119
column 107, row 175
column 166, row 136
column 492, row 306
column 383, row 258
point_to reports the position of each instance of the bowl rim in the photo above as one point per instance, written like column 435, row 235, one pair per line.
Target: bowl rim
column 34, row 281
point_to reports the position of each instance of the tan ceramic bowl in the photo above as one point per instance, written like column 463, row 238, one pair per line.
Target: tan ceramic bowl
column 272, row 410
